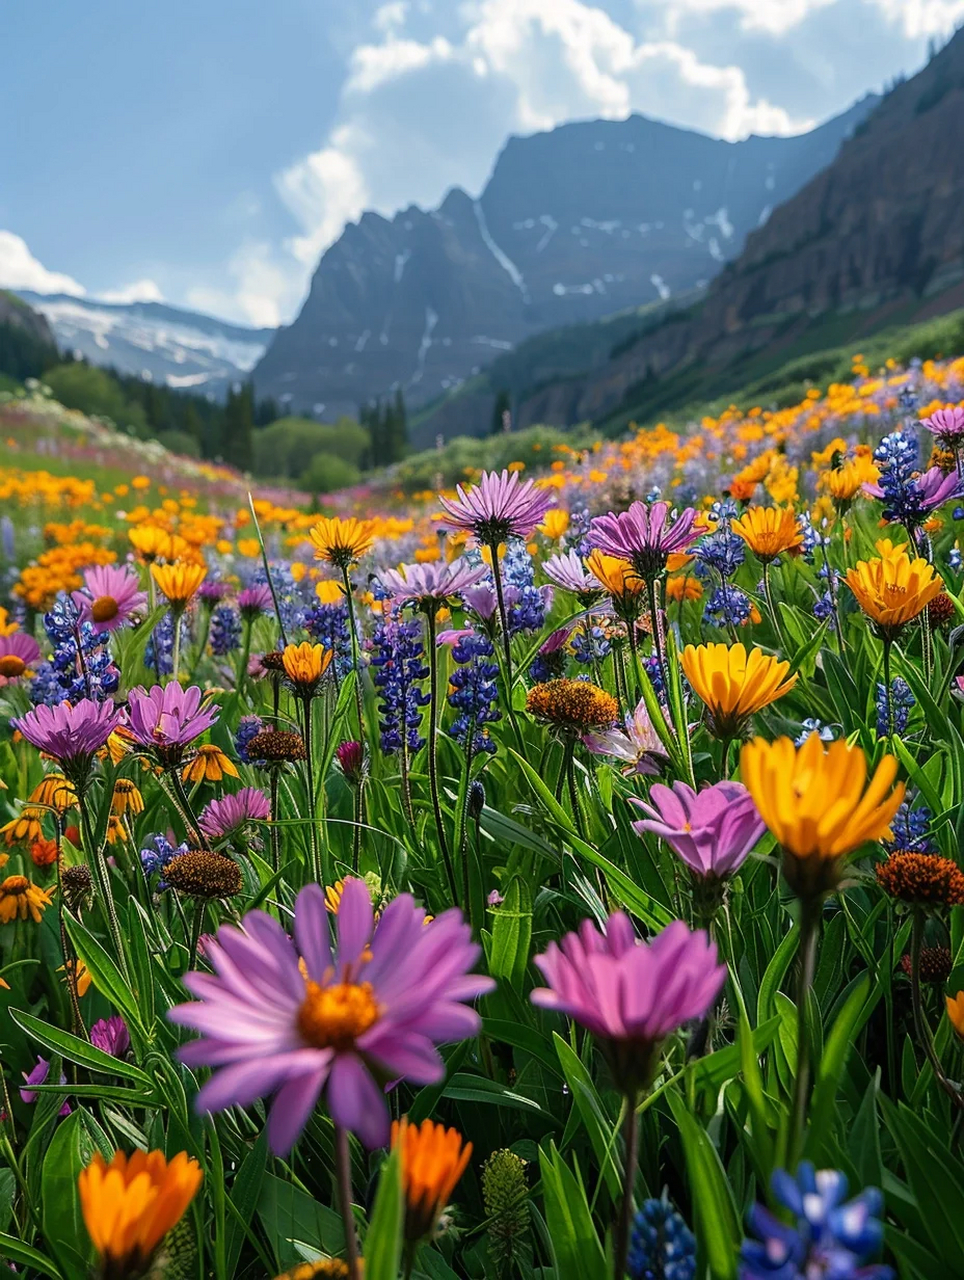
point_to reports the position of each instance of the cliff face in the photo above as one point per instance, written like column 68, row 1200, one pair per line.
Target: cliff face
column 14, row 311
column 573, row 225
column 880, row 230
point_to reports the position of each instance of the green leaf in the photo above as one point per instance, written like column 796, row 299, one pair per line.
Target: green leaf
column 104, row 973
column 244, row 1198
column 716, row 1221
column 578, row 1250
column 71, row 1149
column 600, row 1127
column 832, row 1062
column 12, row 1250
column 383, row 1242
column 512, row 934
column 77, row 1050
column 775, row 973
column 289, row 1214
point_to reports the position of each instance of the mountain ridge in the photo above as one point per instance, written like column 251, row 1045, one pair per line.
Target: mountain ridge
column 572, row 225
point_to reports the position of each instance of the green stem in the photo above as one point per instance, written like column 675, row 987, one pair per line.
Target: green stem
column 316, row 871
column 196, row 924
column 176, row 615
column 921, row 1029
column 631, row 1143
column 184, row 808
column 275, row 829
column 202, row 642
column 356, row 665
column 245, row 655
column 433, row 752
column 357, row 830
column 771, row 606
column 343, row 1178
column 656, row 623
column 810, row 916
column 102, row 873
column 888, row 692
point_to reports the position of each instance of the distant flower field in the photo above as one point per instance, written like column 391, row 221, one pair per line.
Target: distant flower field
column 556, row 876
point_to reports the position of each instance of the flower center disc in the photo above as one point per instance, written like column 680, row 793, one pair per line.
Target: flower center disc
column 16, row 884
column 334, row 1017
column 104, row 609
column 11, row 666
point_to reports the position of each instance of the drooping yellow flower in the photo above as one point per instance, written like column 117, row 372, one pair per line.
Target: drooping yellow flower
column 893, row 589
column 126, row 798
column 623, row 584
column 178, row 582
column 20, row 898
column 843, row 483
column 209, row 765
column 150, row 542
column 304, row 665
column 683, row 588
column 342, row 542
column 818, row 803
column 733, row 684
column 769, row 531
column 955, row 1012
column 25, row 828
column 130, row 1205
column 433, row 1159
column 53, row 792
column 76, row 971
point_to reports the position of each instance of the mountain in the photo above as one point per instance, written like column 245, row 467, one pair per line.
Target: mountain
column 574, row 224
column 181, row 349
column 16, row 313
column 874, row 240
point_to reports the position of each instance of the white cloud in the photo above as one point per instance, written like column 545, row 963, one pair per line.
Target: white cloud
column 19, row 269
column 420, row 115
column 266, row 289
column 923, row 17
column 775, row 17
column 137, row 291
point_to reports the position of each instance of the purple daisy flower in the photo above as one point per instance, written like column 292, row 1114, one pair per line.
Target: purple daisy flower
column 645, row 536
column 636, row 743
column 224, row 817
column 110, row 1035
column 429, row 586
column 253, row 601
column 71, row 734
column 39, row 1076
column 712, row 830
column 498, row 508
column 168, row 719
column 371, row 1009
column 935, row 488
column 947, row 426
column 630, row 994
column 18, row 653
column 111, row 596
column 569, row 572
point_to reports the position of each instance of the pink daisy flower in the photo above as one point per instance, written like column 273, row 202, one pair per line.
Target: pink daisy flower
column 630, row 994
column 368, row 1010
column 499, row 507
column 18, row 653
column 111, row 596
column 645, row 536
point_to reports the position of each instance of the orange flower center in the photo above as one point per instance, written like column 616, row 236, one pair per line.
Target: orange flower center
column 11, row 666
column 334, row 1017
column 104, row 609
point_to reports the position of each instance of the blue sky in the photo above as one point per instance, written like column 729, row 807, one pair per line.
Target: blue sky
column 208, row 152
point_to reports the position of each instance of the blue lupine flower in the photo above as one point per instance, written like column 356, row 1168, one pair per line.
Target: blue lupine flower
column 812, row 538
column 902, row 703
column 829, row 1239
column 823, row 607
column 397, row 659
column 723, row 511
column 526, row 609
column 287, row 591
column 70, row 676
column 955, row 559
column 662, row 1246
column 727, row 606
column 911, row 830
column 474, row 692
column 654, row 671
column 159, row 655
column 808, row 727
column 327, row 624
column 577, row 535
column 589, row 643
column 225, row 633
column 156, row 856
column 248, row 727
column 723, row 551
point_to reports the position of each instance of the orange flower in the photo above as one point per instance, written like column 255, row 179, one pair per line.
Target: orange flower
column 433, row 1160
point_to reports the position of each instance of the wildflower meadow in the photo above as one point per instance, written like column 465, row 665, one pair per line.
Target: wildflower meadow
column 555, row 877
